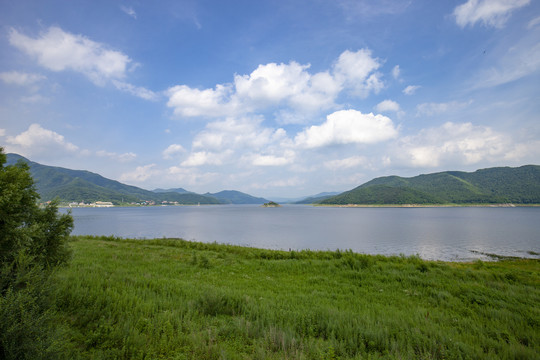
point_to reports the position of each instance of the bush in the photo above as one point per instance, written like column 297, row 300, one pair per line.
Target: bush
column 33, row 242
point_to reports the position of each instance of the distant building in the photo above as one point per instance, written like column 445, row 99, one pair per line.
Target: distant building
column 103, row 204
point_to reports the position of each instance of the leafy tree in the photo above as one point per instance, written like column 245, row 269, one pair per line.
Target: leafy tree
column 33, row 242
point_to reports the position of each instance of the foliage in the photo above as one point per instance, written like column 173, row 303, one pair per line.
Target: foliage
column 78, row 185
column 33, row 241
column 271, row 204
column 487, row 186
column 237, row 197
column 175, row 299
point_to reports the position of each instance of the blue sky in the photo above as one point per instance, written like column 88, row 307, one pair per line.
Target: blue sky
column 272, row 98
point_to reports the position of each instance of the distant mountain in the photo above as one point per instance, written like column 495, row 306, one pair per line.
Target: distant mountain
column 79, row 185
column 316, row 198
column 237, row 197
column 177, row 190
column 519, row 185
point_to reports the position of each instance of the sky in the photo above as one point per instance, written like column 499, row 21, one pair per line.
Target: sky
column 272, row 98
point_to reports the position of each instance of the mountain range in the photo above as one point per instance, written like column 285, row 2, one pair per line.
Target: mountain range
column 499, row 185
column 84, row 186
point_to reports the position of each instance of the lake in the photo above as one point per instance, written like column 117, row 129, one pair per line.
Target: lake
column 440, row 233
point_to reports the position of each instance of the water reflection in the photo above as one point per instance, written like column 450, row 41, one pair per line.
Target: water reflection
column 432, row 233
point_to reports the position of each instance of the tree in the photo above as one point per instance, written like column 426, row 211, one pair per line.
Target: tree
column 33, row 242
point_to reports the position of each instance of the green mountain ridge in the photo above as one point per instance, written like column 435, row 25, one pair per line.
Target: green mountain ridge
column 237, row 197
column 80, row 185
column 499, row 185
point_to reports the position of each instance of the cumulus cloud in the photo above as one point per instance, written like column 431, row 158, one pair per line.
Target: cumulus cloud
column 357, row 71
column 493, row 13
column 140, row 174
column 58, row 50
column 191, row 176
column 387, row 106
column 20, row 79
column 273, row 160
column 201, row 158
column 280, row 86
column 350, row 162
column 173, row 150
column 272, row 83
column 411, row 89
column 237, row 133
column 347, row 127
column 39, row 142
column 190, row 102
column 453, row 143
column 223, row 142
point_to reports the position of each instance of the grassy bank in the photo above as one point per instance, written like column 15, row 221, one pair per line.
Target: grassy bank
column 172, row 299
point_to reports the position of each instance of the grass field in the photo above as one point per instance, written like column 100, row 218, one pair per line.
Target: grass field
column 173, row 299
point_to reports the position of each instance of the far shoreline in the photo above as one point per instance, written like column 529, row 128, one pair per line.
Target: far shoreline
column 425, row 205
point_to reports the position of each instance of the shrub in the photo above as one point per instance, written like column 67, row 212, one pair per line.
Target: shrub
column 33, row 241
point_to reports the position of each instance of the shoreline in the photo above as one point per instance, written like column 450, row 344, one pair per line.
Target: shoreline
column 425, row 205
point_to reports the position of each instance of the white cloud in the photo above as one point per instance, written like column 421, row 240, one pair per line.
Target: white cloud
column 357, row 71
column 125, row 157
column 272, row 83
column 58, row 50
column 173, row 150
column 237, row 133
column 189, row 102
column 346, row 163
column 511, row 63
column 430, row 109
column 273, row 160
column 39, row 142
column 533, row 22
column 289, row 86
column 370, row 9
column 347, row 127
column 489, row 12
column 223, row 141
column 191, row 176
column 140, row 174
column 129, row 11
column 290, row 182
column 35, row 99
column 2, row 132
column 387, row 106
column 20, row 79
column 453, row 143
column 138, row 91
column 411, row 89
column 396, row 71
column 201, row 158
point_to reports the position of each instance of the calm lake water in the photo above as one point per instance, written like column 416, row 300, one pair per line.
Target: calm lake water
column 432, row 233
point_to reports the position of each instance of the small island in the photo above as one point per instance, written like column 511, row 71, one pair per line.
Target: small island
column 271, row 204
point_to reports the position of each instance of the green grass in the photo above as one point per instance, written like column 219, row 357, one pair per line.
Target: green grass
column 173, row 299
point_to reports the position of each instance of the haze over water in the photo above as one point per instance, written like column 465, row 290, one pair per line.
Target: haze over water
column 432, row 233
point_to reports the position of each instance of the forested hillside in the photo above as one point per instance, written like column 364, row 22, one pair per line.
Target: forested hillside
column 79, row 185
column 519, row 185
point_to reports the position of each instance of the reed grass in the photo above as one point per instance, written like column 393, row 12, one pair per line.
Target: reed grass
column 174, row 299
